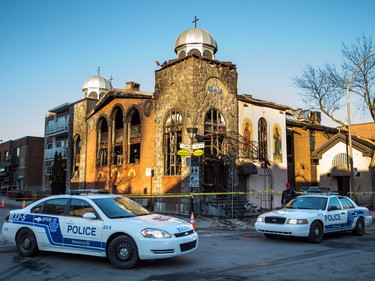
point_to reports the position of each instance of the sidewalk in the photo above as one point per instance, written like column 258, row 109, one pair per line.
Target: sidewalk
column 13, row 203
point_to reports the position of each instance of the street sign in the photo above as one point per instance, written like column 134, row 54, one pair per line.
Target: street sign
column 198, row 152
column 183, row 152
column 184, row 145
column 148, row 172
column 194, row 176
column 198, row 145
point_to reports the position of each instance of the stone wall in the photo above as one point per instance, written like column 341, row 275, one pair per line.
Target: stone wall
column 182, row 85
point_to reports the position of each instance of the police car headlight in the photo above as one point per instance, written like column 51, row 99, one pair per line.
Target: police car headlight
column 155, row 233
column 297, row 221
column 260, row 219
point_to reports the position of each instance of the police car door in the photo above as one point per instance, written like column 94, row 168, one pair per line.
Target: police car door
column 335, row 217
column 48, row 220
column 82, row 234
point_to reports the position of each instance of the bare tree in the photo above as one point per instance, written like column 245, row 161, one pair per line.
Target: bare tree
column 324, row 88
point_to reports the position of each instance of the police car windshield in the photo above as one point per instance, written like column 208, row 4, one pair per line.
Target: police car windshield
column 120, row 207
column 308, row 202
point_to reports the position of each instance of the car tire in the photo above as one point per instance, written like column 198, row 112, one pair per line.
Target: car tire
column 27, row 245
column 359, row 229
column 316, row 232
column 123, row 252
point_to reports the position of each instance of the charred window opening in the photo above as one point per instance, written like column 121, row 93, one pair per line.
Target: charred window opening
column 102, row 149
column 134, row 135
column 172, row 138
column 214, row 131
column 117, row 138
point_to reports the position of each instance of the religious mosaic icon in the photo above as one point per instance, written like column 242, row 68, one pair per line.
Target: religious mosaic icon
column 215, row 86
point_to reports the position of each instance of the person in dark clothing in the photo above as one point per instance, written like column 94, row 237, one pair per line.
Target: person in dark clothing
column 288, row 194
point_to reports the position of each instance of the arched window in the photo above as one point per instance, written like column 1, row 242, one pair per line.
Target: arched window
column 77, row 156
column 102, row 149
column 182, row 54
column 117, row 137
column 195, row 52
column 172, row 138
column 214, row 130
column 340, row 159
column 262, row 139
column 207, row 54
column 134, row 136
column 93, row 95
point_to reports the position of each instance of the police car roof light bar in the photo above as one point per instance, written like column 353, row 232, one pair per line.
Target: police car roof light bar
column 88, row 191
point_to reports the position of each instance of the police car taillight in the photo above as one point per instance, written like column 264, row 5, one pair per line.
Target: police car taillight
column 7, row 218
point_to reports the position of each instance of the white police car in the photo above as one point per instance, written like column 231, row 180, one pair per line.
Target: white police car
column 314, row 215
column 103, row 225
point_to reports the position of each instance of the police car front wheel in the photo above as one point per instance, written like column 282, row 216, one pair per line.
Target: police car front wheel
column 26, row 243
column 316, row 232
column 123, row 252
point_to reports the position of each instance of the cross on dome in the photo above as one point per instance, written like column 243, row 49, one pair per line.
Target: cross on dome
column 195, row 21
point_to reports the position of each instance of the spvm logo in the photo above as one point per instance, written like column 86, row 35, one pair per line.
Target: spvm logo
column 53, row 226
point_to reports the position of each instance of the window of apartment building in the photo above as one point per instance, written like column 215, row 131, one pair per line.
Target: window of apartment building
column 172, row 138
column 214, row 131
column 117, row 137
column 134, row 136
column 60, row 143
column 102, row 141
column 262, row 139
column 48, row 170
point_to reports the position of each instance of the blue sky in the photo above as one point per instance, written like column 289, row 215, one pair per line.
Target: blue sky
column 48, row 48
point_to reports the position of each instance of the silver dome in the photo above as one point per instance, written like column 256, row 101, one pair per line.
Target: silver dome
column 197, row 36
column 97, row 82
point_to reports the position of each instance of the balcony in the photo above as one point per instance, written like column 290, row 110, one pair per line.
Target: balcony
column 57, row 128
column 11, row 161
column 50, row 153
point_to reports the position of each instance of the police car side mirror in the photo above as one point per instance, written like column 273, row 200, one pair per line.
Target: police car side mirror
column 89, row 215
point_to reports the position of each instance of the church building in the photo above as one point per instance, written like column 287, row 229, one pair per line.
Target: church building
column 194, row 144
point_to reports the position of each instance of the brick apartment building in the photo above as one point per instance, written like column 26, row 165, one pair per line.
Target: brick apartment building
column 21, row 163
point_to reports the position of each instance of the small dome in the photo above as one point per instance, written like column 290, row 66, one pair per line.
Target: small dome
column 95, row 87
column 195, row 39
column 97, row 82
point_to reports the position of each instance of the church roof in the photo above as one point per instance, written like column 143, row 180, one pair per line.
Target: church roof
column 361, row 145
column 249, row 99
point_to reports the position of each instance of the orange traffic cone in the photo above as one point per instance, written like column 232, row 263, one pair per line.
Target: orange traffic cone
column 23, row 204
column 192, row 221
column 3, row 204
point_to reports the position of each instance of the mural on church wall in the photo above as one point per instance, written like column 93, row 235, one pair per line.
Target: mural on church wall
column 277, row 138
column 215, row 86
column 247, row 133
